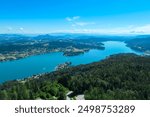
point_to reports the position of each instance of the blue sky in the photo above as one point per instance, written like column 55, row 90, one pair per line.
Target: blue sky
column 75, row 16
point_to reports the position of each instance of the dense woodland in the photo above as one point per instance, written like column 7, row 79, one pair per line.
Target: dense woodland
column 123, row 76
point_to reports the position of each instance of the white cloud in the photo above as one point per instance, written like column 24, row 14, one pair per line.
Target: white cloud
column 76, row 17
column 76, row 23
column 70, row 19
column 21, row 29
column 118, row 30
column 84, row 27
column 144, row 29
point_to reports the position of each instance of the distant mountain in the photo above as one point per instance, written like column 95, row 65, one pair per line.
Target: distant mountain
column 66, row 36
column 12, row 36
column 101, row 38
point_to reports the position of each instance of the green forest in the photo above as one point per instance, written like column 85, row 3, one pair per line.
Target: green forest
column 122, row 76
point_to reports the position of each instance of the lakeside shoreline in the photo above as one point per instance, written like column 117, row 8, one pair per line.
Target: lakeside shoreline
column 66, row 52
column 36, row 65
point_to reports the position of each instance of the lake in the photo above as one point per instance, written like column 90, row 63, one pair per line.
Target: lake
column 38, row 64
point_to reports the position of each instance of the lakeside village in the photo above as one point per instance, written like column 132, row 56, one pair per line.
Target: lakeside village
column 63, row 66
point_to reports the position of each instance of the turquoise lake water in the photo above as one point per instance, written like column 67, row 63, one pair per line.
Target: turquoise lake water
column 33, row 65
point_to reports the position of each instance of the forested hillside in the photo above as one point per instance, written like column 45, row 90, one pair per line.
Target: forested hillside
column 123, row 76
column 140, row 43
